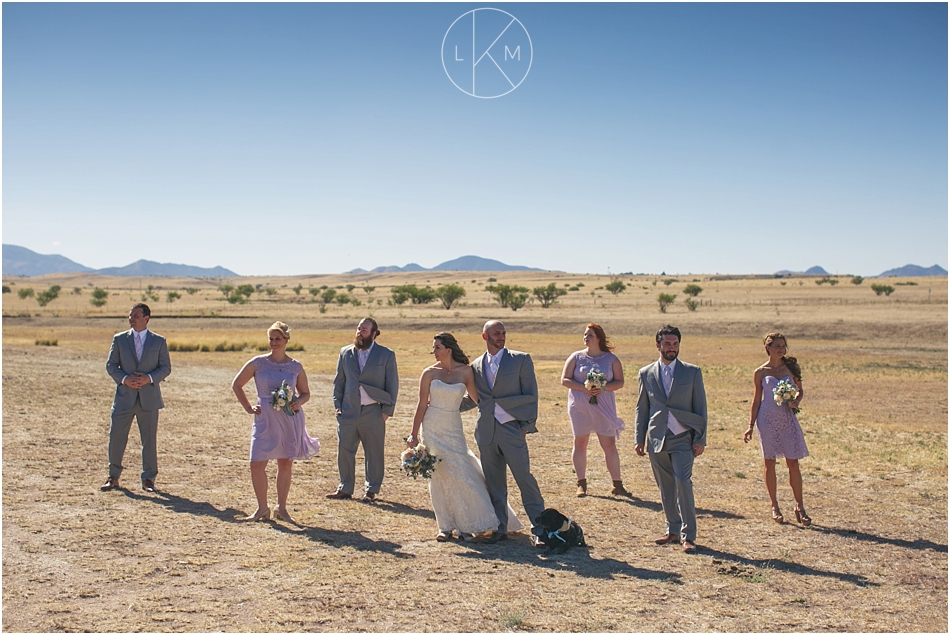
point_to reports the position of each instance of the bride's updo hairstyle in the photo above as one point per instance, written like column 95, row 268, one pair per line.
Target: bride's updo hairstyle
column 790, row 362
column 281, row 327
column 448, row 340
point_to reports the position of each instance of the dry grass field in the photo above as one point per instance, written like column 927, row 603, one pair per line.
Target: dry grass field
column 875, row 418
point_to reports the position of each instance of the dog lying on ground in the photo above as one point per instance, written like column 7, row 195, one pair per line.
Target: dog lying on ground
column 560, row 533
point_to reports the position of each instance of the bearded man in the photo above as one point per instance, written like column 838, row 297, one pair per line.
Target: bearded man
column 364, row 397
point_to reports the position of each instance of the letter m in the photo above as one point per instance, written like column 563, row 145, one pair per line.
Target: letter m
column 517, row 53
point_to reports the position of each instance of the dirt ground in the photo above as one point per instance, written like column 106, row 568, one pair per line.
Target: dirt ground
column 76, row 559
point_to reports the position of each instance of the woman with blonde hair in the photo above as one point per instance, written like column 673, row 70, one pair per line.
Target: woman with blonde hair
column 780, row 434
column 592, row 409
column 280, row 430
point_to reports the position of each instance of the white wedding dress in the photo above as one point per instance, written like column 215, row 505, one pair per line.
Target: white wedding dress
column 457, row 487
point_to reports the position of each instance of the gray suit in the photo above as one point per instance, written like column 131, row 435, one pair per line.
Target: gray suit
column 357, row 423
column 671, row 456
column 516, row 391
column 142, row 404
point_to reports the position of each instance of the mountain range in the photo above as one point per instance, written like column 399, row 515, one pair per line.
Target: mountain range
column 20, row 261
column 465, row 263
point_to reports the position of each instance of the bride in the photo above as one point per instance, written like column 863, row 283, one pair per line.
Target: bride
column 457, row 487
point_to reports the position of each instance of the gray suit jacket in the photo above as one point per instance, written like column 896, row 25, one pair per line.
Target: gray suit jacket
column 687, row 402
column 515, row 390
column 155, row 362
column 379, row 378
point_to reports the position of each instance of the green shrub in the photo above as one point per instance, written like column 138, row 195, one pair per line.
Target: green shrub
column 509, row 296
column 669, row 281
column 418, row 295
column 449, row 293
column 246, row 290
column 548, row 295
column 615, row 286
column 693, row 290
column 191, row 290
column 664, row 300
column 298, row 289
column 368, row 289
column 45, row 297
column 6, row 289
column 226, row 289
column 171, row 296
column 691, row 304
column 886, row 289
column 40, row 342
column 856, row 280
column 99, row 297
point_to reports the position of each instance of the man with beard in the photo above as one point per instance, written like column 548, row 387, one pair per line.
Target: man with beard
column 671, row 421
column 364, row 397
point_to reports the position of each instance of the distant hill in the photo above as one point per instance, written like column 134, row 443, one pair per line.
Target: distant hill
column 813, row 271
column 151, row 268
column 465, row 263
column 20, row 261
column 907, row 271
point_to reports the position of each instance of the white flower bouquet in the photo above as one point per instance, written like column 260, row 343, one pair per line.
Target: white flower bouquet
column 595, row 379
column 418, row 461
column 785, row 392
column 282, row 397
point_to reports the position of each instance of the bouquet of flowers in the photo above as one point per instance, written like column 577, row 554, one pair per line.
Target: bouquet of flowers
column 418, row 461
column 595, row 379
column 785, row 391
column 281, row 398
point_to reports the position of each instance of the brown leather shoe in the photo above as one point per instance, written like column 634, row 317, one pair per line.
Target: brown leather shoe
column 111, row 483
column 148, row 485
column 666, row 539
column 369, row 497
column 339, row 495
column 689, row 547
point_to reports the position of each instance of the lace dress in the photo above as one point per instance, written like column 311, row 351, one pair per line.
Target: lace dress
column 275, row 435
column 587, row 417
column 780, row 434
column 457, row 487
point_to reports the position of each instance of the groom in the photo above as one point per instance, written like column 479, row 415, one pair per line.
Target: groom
column 364, row 397
column 507, row 412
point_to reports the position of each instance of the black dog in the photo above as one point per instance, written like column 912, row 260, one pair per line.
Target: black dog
column 560, row 533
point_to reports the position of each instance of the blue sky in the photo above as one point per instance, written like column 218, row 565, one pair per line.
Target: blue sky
column 278, row 139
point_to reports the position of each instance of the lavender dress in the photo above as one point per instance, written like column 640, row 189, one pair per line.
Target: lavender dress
column 275, row 435
column 780, row 435
column 587, row 417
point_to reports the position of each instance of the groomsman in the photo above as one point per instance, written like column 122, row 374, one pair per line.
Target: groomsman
column 364, row 397
column 507, row 413
column 671, row 422
column 138, row 362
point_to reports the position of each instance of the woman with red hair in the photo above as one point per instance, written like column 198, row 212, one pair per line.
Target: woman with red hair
column 593, row 374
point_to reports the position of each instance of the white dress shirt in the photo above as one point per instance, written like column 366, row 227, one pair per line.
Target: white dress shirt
column 138, row 344
column 490, row 364
column 666, row 374
column 361, row 357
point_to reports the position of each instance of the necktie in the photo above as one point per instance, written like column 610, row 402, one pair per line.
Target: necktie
column 492, row 370
column 139, row 345
column 667, row 379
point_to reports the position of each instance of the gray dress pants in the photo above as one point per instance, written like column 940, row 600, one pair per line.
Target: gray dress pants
column 673, row 471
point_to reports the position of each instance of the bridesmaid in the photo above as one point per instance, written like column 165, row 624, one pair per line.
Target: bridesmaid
column 780, row 435
column 600, row 418
column 275, row 435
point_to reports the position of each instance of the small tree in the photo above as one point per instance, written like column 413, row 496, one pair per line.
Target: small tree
column 327, row 296
column 418, row 295
column 25, row 293
column 856, row 280
column 691, row 304
column 693, row 290
column 45, row 297
column 246, row 290
column 615, row 286
column 886, row 289
column 191, row 290
column 368, row 289
column 171, row 296
column 298, row 289
column 449, row 293
column 665, row 300
column 226, row 289
column 548, row 295
column 6, row 289
column 670, row 281
column 99, row 297
column 519, row 295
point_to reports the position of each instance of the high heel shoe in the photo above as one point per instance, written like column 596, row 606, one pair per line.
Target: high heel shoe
column 285, row 516
column 777, row 515
column 260, row 514
column 802, row 517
